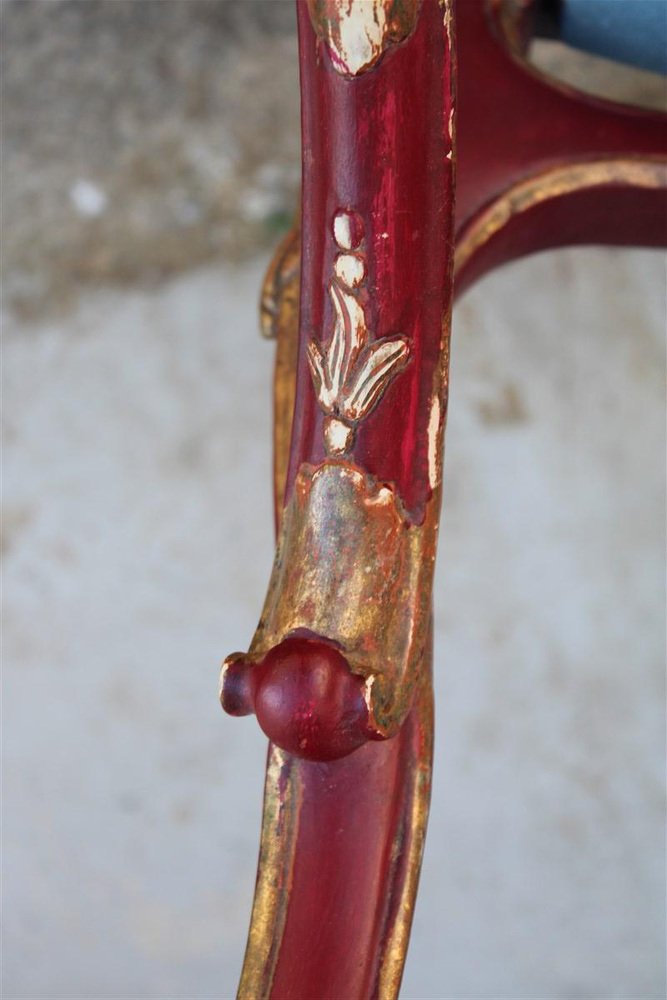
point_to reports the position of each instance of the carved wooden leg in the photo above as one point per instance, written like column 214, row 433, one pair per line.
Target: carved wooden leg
column 338, row 672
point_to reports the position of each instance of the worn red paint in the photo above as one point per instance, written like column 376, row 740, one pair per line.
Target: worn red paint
column 307, row 700
column 369, row 146
column 377, row 145
column 514, row 124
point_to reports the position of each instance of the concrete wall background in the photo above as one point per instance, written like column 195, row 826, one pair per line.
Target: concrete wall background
column 137, row 545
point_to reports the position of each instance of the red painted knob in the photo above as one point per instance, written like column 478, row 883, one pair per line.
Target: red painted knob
column 309, row 703
column 305, row 697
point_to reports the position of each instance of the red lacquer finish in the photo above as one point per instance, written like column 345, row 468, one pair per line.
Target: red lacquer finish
column 350, row 865
column 378, row 144
column 304, row 696
column 369, row 147
column 309, row 702
column 514, row 125
column 611, row 215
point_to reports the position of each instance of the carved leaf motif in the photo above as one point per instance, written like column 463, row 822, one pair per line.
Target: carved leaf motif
column 351, row 372
column 320, row 373
column 383, row 361
column 349, row 337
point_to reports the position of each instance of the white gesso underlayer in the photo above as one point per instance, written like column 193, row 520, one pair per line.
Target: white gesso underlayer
column 138, row 546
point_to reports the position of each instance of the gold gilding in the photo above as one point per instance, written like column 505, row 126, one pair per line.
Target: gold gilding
column 279, row 300
column 410, row 836
column 279, row 317
column 351, row 567
column 359, row 32
column 553, row 184
column 272, row 892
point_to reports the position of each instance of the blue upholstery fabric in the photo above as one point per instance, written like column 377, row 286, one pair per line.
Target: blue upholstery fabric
column 631, row 31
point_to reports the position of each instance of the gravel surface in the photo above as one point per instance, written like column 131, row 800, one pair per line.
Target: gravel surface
column 142, row 138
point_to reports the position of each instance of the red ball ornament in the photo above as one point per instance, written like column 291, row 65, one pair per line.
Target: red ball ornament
column 308, row 702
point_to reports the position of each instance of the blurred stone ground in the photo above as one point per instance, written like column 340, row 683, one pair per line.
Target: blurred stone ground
column 138, row 543
column 150, row 154
column 142, row 138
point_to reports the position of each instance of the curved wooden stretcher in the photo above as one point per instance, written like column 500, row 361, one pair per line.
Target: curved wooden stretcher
column 339, row 670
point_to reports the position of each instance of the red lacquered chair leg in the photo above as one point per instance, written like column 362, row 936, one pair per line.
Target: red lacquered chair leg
column 338, row 672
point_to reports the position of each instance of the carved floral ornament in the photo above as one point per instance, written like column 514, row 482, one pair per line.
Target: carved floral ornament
column 357, row 33
column 352, row 373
